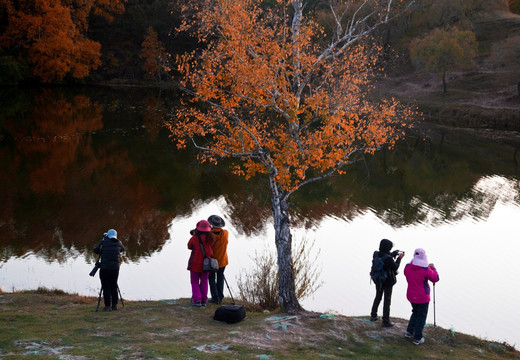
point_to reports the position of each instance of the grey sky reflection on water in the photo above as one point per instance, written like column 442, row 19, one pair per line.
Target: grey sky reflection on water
column 475, row 256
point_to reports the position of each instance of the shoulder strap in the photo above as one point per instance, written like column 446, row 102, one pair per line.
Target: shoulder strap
column 201, row 246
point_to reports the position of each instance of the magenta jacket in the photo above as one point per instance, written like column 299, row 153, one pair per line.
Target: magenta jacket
column 418, row 288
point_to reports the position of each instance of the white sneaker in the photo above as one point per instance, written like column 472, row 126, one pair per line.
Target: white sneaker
column 408, row 335
column 418, row 342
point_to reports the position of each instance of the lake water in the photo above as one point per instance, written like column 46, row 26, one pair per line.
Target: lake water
column 75, row 163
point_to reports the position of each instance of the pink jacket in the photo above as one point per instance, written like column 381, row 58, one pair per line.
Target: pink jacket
column 418, row 288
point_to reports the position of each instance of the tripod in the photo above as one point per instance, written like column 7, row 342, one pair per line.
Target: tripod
column 232, row 300
column 101, row 291
column 434, row 318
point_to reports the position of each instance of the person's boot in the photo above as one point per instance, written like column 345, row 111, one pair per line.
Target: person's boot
column 387, row 323
column 107, row 308
column 114, row 307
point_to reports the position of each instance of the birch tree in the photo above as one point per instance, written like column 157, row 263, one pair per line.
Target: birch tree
column 271, row 90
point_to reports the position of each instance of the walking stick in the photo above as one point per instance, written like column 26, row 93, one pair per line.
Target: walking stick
column 99, row 298
column 434, row 320
column 120, row 297
column 232, row 300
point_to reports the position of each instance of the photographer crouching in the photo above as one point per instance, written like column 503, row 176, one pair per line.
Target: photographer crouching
column 109, row 249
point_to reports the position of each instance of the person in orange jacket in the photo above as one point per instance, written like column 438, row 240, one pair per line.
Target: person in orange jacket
column 216, row 278
column 198, row 277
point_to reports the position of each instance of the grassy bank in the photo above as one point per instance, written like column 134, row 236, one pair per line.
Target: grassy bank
column 54, row 325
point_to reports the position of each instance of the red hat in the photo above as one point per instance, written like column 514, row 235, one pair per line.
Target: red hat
column 204, row 226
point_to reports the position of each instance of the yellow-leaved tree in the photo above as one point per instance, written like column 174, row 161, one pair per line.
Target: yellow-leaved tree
column 443, row 51
column 284, row 99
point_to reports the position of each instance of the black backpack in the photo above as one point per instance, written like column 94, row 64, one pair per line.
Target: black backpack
column 230, row 313
column 378, row 273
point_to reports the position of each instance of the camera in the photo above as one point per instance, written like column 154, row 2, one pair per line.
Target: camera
column 95, row 269
column 396, row 253
column 97, row 264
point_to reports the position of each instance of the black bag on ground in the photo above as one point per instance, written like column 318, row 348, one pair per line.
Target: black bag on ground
column 230, row 313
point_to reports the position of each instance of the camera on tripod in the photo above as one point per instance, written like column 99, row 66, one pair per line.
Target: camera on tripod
column 95, row 269
column 97, row 264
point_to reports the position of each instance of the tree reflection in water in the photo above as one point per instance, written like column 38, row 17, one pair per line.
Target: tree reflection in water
column 76, row 162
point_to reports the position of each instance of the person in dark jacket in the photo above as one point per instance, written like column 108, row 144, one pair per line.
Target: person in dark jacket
column 385, row 289
column 109, row 249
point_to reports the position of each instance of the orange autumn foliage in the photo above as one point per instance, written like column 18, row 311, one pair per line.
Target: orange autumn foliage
column 156, row 59
column 52, row 34
column 82, row 9
column 278, row 96
column 270, row 88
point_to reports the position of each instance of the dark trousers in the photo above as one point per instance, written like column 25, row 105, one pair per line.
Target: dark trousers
column 109, row 284
column 386, row 291
column 217, row 287
column 417, row 320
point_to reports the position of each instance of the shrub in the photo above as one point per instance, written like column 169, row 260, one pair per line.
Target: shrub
column 259, row 286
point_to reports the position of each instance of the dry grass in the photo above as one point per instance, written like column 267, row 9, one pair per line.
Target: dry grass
column 60, row 326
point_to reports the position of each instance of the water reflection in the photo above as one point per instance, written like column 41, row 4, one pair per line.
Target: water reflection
column 76, row 162
column 471, row 255
column 67, row 176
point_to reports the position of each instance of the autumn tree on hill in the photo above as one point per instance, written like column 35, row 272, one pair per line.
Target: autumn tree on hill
column 156, row 59
column 82, row 10
column 442, row 51
column 284, row 99
column 50, row 35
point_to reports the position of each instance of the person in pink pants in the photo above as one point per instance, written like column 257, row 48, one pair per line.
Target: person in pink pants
column 199, row 278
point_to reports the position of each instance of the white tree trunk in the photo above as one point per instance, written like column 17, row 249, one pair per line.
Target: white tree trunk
column 283, row 240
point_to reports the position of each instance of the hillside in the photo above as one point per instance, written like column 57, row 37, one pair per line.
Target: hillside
column 487, row 96
column 54, row 325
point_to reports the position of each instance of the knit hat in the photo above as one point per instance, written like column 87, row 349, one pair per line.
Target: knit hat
column 112, row 234
column 216, row 221
column 203, row 226
column 419, row 258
